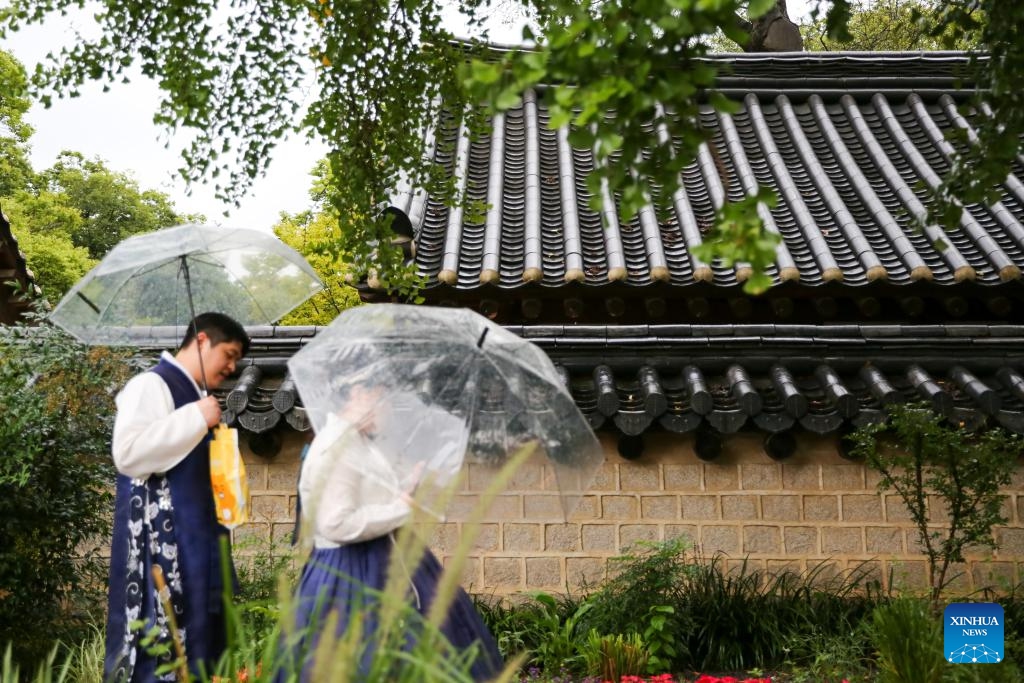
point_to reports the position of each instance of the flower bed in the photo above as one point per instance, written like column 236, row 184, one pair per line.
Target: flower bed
column 536, row 676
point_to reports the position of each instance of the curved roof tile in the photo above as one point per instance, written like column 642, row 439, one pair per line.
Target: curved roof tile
column 722, row 378
column 13, row 268
column 843, row 139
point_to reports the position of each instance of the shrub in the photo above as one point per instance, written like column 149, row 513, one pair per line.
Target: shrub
column 925, row 460
column 55, row 485
column 546, row 630
column 698, row 613
column 830, row 656
column 1013, row 614
column 907, row 635
column 558, row 625
column 265, row 572
column 643, row 597
column 512, row 626
column 694, row 613
column 742, row 616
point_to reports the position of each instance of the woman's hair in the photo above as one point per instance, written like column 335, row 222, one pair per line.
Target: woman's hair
column 218, row 328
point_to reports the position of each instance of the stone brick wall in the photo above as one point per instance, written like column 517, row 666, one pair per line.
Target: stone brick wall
column 812, row 508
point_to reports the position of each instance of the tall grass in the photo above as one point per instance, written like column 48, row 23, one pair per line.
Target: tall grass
column 745, row 617
column 909, row 639
column 80, row 664
column 728, row 618
column 406, row 647
column 86, row 659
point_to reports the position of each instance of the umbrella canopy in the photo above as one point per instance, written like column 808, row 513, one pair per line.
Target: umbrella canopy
column 446, row 385
column 159, row 278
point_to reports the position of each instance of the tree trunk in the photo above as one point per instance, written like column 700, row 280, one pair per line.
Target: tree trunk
column 772, row 32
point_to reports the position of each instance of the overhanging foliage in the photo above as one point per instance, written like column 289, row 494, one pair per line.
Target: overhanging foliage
column 237, row 77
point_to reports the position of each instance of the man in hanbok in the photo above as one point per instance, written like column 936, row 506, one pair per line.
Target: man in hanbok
column 164, row 515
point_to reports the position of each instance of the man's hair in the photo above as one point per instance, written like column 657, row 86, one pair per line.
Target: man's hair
column 219, row 328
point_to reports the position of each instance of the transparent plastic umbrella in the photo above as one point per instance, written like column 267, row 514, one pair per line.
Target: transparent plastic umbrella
column 162, row 278
column 447, row 386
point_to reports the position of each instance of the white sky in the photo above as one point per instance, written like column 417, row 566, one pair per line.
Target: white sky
column 117, row 126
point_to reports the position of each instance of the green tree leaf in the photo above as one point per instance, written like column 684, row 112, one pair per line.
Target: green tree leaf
column 382, row 76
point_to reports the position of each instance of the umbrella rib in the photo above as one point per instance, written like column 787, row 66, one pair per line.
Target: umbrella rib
column 454, row 376
column 252, row 297
column 241, row 283
column 113, row 298
column 198, row 258
column 88, row 301
column 145, row 270
column 192, row 322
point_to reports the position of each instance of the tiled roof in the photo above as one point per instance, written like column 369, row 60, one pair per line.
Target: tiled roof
column 847, row 141
column 844, row 140
column 12, row 269
column 721, row 378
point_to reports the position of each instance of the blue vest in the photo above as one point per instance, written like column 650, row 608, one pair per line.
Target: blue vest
column 197, row 535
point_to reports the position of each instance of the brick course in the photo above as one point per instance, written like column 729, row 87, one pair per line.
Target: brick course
column 814, row 512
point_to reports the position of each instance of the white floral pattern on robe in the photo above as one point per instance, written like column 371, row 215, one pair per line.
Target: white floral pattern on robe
column 151, row 529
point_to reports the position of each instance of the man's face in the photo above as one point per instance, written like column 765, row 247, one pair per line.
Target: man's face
column 218, row 359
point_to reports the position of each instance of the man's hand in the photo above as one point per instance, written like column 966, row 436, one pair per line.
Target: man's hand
column 210, row 408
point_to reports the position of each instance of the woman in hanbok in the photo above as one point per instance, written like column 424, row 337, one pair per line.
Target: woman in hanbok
column 354, row 502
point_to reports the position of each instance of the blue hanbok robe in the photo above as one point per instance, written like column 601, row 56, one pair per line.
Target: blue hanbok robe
column 348, row 492
column 168, row 520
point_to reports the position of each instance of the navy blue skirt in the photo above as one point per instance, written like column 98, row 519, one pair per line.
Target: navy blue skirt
column 336, row 579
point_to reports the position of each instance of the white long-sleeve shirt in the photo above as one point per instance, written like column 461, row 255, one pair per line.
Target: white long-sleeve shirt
column 349, row 490
column 150, row 435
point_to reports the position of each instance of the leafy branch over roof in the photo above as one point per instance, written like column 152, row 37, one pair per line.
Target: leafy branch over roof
column 239, row 78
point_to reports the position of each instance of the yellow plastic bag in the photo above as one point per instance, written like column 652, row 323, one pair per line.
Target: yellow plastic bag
column 227, row 476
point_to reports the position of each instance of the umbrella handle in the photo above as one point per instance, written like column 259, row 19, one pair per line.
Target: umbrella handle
column 192, row 312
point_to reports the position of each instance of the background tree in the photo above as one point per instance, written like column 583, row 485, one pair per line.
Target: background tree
column 773, row 31
column 311, row 233
column 986, row 157
column 234, row 78
column 43, row 223
column 110, row 204
column 68, row 216
column 888, row 25
column 307, row 232
column 15, row 170
column 55, row 262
